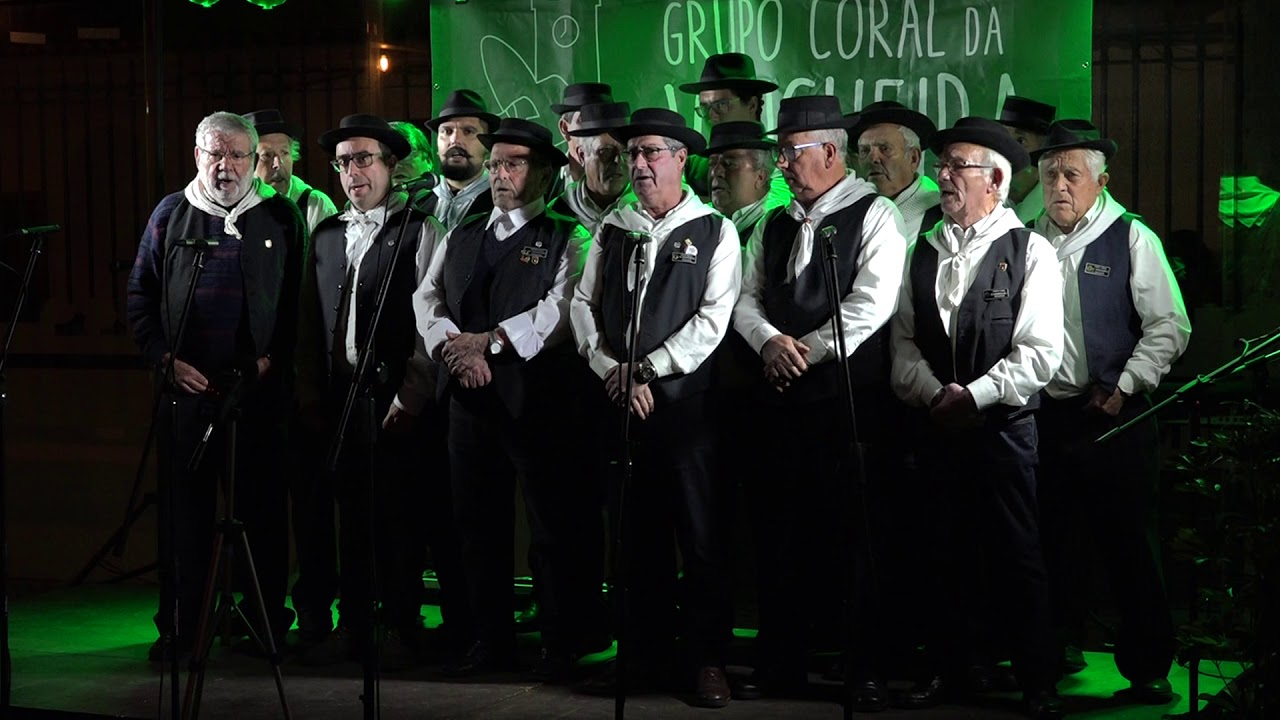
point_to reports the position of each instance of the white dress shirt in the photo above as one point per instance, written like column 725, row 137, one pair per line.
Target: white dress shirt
column 686, row 349
column 361, row 230
column 1037, row 331
column 319, row 206
column 527, row 332
column 914, row 201
column 871, row 301
column 1166, row 330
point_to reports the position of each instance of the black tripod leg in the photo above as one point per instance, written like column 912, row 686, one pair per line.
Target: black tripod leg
column 261, row 606
column 204, row 636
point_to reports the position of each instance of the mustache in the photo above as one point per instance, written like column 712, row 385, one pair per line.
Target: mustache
column 457, row 151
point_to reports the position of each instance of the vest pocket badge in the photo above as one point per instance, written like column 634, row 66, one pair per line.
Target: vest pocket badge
column 268, row 243
column 1000, row 294
column 686, row 252
column 532, row 254
column 1096, row 269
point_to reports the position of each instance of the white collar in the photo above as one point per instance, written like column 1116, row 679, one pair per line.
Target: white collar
column 518, row 217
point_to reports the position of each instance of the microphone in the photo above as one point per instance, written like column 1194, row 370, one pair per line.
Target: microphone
column 828, row 232
column 34, row 230
column 419, row 184
column 197, row 243
column 638, row 237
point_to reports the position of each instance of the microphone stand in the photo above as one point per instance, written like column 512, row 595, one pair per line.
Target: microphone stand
column 637, row 240
column 857, row 505
column 362, row 383
column 6, row 662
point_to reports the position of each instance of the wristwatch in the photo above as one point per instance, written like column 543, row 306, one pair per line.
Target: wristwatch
column 495, row 343
column 645, row 372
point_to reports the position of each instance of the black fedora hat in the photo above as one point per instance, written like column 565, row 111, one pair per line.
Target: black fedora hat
column 738, row 134
column 518, row 131
column 369, row 126
column 271, row 121
column 663, row 122
column 731, row 71
column 463, row 103
column 1075, row 134
column 579, row 94
column 893, row 113
column 600, row 118
column 985, row 132
column 810, row 112
column 1027, row 114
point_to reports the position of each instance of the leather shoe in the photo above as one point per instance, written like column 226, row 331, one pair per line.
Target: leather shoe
column 712, row 689
column 1045, row 705
column 870, row 696
column 1152, row 692
column 480, row 658
column 1073, row 660
column 924, row 695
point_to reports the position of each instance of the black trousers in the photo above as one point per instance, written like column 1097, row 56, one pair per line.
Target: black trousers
column 189, row 501
column 315, row 537
column 818, row 533
column 1107, row 493
column 987, row 548
column 488, row 451
column 675, row 499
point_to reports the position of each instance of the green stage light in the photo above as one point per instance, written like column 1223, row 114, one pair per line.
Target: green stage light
column 205, row 3
column 267, row 4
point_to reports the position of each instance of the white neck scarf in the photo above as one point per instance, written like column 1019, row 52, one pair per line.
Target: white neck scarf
column 196, row 195
column 841, row 195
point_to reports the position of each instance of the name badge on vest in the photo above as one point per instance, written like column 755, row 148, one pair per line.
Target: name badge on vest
column 1001, row 294
column 685, row 252
column 533, row 254
column 1096, row 269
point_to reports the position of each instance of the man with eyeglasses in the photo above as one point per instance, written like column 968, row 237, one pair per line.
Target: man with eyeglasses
column 1126, row 324
column 465, row 190
column 977, row 334
column 239, row 335
column 687, row 284
column 604, row 182
column 785, row 317
column 890, row 139
column 493, row 309
column 279, row 147
column 351, row 255
column 1027, row 122
column 576, row 96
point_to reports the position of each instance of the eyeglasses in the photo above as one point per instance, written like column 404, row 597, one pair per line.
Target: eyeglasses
column 360, row 160
column 512, row 166
column 791, row 152
column 718, row 107
column 954, row 166
column 218, row 157
column 650, row 152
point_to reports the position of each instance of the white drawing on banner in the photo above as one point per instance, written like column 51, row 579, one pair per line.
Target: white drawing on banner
column 558, row 39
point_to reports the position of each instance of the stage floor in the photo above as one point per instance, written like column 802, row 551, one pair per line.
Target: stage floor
column 84, row 650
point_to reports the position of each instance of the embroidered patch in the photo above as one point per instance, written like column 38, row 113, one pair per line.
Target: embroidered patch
column 685, row 253
column 531, row 255
column 1001, row 294
column 1096, row 269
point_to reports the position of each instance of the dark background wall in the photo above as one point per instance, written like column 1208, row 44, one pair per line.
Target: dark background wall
column 98, row 120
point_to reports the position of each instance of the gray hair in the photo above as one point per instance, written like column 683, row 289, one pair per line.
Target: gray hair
column 226, row 123
column 588, row 144
column 761, row 159
column 1094, row 160
column 1006, row 172
column 835, row 136
column 910, row 140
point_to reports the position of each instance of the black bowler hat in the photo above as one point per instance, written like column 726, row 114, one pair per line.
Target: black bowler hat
column 985, row 132
column 662, row 122
column 738, row 134
column 271, row 121
column 579, row 94
column 1027, row 114
column 730, row 71
column 517, row 131
column 600, row 118
column 810, row 112
column 893, row 113
column 463, row 103
column 369, row 126
column 1072, row 135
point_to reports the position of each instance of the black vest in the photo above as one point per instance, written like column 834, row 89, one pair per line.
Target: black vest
column 397, row 329
column 1112, row 327
column 672, row 298
column 984, row 320
column 480, row 294
column 801, row 306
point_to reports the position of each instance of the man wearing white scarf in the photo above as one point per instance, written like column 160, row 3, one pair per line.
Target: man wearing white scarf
column 977, row 334
column 465, row 190
column 890, row 141
column 279, row 147
column 603, row 185
column 785, row 316
column 241, row 323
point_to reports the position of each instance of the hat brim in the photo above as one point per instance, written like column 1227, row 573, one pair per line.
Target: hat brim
column 998, row 140
column 842, row 124
column 270, row 128
column 738, row 145
column 922, row 126
column 551, row 153
column 489, row 119
column 690, row 137
column 1106, row 146
column 746, row 86
column 594, row 130
column 395, row 141
column 1038, row 128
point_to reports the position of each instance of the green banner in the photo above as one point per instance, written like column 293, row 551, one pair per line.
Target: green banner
column 946, row 58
